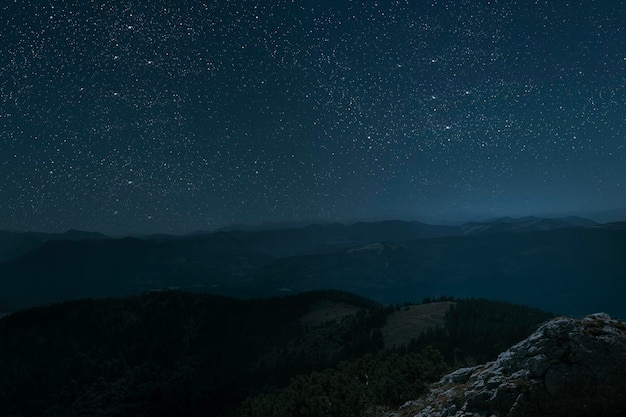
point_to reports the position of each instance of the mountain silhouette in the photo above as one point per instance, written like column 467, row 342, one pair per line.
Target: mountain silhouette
column 571, row 265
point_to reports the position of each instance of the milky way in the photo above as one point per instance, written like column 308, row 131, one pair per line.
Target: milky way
column 163, row 116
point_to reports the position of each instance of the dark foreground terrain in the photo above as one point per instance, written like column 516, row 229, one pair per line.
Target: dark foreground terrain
column 176, row 353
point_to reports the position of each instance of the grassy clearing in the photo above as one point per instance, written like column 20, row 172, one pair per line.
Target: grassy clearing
column 325, row 311
column 410, row 321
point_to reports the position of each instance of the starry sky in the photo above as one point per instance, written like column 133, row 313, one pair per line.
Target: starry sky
column 175, row 116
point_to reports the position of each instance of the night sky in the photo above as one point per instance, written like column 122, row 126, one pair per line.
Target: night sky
column 175, row 116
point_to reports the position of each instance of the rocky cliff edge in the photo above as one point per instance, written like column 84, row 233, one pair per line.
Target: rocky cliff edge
column 567, row 367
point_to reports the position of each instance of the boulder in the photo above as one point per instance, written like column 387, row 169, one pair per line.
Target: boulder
column 568, row 367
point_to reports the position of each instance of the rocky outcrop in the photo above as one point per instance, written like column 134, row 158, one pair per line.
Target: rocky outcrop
column 567, row 367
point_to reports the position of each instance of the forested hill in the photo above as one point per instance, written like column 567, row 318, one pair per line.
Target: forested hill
column 175, row 353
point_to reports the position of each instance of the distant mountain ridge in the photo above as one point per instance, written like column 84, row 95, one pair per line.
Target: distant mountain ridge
column 297, row 238
column 569, row 265
column 63, row 270
column 524, row 224
column 331, row 237
column 607, row 216
column 14, row 244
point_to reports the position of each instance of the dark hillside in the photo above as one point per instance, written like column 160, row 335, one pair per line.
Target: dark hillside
column 174, row 353
column 473, row 330
column 477, row 330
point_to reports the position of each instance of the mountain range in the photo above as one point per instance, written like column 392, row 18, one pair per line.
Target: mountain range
column 568, row 265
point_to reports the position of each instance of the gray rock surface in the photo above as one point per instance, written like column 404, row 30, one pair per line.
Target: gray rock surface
column 567, row 367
